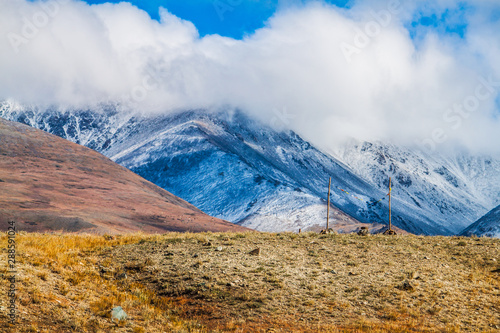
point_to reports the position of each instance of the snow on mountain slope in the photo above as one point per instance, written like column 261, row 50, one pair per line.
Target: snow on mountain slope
column 91, row 128
column 234, row 168
column 250, row 173
column 174, row 154
column 488, row 225
column 454, row 189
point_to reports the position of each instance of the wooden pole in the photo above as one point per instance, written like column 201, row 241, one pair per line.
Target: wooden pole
column 328, row 205
column 390, row 190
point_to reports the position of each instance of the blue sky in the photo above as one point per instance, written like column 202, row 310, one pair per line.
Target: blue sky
column 231, row 18
column 237, row 18
column 450, row 21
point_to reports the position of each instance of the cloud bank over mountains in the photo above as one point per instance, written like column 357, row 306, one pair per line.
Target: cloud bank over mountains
column 426, row 72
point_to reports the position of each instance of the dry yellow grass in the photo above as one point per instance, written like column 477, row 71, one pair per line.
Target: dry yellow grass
column 209, row 282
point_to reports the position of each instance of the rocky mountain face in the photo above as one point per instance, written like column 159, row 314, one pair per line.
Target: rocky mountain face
column 454, row 189
column 488, row 225
column 240, row 170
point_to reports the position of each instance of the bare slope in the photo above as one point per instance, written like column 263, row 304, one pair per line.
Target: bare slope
column 48, row 183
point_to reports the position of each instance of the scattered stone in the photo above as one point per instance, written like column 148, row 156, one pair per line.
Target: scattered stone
column 218, row 248
column 208, row 244
column 406, row 286
column 427, row 258
column 134, row 267
column 121, row 276
column 255, row 252
column 496, row 270
column 168, row 254
column 195, row 255
column 364, row 231
column 118, row 314
column 333, row 272
column 106, row 272
column 108, row 237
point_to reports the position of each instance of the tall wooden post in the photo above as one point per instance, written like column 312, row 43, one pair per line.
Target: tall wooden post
column 328, row 205
column 390, row 190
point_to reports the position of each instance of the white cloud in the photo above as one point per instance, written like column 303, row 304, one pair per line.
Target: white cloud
column 387, row 86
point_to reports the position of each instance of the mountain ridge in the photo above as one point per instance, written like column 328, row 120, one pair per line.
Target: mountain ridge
column 488, row 225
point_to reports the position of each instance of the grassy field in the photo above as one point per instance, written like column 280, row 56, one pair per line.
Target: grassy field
column 253, row 282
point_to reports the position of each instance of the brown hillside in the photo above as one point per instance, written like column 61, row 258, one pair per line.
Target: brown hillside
column 48, row 184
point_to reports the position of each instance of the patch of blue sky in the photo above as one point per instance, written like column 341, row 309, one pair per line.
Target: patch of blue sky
column 230, row 18
column 451, row 21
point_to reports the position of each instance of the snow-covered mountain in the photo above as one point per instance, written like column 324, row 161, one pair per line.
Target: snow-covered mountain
column 454, row 189
column 488, row 225
column 238, row 169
